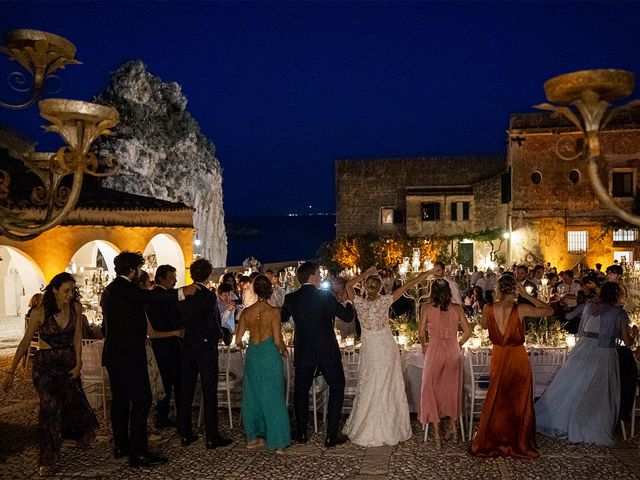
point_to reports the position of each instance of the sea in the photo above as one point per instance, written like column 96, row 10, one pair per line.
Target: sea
column 274, row 239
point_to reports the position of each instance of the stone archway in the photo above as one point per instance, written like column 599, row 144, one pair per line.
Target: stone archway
column 164, row 249
column 20, row 279
column 95, row 254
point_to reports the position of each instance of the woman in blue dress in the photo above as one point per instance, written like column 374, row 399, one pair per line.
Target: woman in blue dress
column 264, row 411
column 582, row 402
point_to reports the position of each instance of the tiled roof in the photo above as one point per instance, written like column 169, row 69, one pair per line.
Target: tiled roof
column 92, row 197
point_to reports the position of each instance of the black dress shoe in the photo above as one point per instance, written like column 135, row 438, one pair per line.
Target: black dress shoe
column 219, row 442
column 302, row 438
column 339, row 439
column 119, row 453
column 147, row 460
column 189, row 439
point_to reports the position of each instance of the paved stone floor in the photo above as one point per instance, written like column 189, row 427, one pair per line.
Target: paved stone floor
column 411, row 460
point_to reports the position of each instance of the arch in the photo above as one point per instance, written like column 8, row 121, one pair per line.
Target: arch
column 20, row 278
column 87, row 255
column 167, row 250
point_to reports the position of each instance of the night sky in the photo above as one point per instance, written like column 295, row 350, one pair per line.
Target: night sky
column 285, row 89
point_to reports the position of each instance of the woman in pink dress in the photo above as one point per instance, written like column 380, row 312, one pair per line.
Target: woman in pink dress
column 442, row 374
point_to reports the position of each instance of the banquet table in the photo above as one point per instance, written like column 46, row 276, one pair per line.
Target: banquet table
column 413, row 364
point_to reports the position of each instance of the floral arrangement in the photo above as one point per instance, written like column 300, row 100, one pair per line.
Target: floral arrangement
column 407, row 326
column 544, row 331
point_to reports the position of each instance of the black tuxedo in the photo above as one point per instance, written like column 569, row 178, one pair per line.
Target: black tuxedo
column 165, row 317
column 202, row 331
column 313, row 311
column 125, row 356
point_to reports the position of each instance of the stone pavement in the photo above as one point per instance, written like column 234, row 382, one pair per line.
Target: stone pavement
column 410, row 460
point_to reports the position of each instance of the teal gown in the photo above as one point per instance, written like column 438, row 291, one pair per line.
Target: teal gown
column 264, row 412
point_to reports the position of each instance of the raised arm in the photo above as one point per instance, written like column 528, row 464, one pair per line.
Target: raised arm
column 398, row 292
column 537, row 309
column 351, row 293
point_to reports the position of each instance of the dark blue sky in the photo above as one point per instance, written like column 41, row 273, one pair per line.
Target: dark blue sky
column 285, row 89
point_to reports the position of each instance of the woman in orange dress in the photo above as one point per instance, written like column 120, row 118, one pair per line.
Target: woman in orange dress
column 507, row 424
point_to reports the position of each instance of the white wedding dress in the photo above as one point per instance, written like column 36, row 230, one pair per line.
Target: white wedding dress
column 380, row 414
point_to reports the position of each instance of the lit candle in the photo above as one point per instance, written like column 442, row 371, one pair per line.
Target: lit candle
column 349, row 342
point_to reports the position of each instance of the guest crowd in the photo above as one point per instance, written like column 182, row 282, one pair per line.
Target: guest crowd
column 178, row 331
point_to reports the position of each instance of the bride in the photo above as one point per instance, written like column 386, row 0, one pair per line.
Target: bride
column 380, row 414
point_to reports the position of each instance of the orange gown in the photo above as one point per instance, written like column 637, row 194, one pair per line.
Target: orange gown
column 507, row 424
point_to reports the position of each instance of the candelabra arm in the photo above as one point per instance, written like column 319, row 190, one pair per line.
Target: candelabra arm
column 18, row 229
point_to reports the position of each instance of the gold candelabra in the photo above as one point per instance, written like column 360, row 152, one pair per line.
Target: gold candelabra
column 78, row 123
column 584, row 99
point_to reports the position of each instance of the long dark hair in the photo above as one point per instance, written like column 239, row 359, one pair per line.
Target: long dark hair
column 441, row 294
column 49, row 299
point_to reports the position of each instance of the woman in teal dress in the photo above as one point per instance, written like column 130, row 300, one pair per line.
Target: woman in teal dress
column 264, row 411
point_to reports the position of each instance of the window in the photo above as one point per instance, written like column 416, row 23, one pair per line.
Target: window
column 390, row 216
column 574, row 176
column 536, row 178
column 430, row 212
column 622, row 184
column 459, row 211
column 625, row 235
column 386, row 216
column 578, row 241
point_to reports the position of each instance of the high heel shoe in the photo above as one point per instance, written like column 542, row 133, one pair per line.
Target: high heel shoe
column 437, row 442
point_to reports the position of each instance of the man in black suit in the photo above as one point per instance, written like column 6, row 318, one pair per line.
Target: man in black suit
column 125, row 357
column 313, row 311
column 522, row 278
column 165, row 317
column 202, row 330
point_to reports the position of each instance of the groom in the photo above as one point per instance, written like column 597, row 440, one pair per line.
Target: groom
column 316, row 348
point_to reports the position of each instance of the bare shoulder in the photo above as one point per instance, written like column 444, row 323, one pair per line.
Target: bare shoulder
column 37, row 315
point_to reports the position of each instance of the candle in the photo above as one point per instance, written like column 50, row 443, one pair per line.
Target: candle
column 349, row 342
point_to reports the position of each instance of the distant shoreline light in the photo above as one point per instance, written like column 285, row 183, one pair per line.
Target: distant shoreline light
column 309, row 214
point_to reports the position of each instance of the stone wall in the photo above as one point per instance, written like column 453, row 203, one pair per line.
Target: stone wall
column 363, row 187
column 543, row 213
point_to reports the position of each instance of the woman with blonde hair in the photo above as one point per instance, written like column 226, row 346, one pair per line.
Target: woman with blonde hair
column 380, row 414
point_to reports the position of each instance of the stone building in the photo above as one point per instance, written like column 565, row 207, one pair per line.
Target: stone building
column 545, row 205
column 555, row 215
column 421, row 197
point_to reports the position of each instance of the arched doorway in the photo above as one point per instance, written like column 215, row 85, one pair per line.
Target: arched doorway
column 164, row 249
column 20, row 278
column 92, row 266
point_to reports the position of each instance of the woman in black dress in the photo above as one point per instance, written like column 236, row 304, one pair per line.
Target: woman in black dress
column 64, row 410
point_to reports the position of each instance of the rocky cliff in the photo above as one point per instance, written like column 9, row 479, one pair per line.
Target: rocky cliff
column 163, row 152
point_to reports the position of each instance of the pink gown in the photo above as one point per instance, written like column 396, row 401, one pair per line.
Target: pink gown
column 442, row 373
